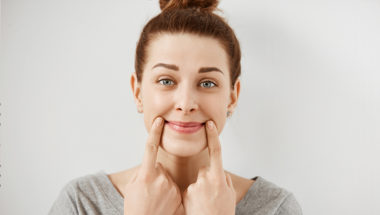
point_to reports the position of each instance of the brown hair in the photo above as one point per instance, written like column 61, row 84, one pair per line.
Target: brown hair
column 195, row 17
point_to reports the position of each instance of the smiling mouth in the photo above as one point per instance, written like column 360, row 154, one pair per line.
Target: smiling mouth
column 184, row 127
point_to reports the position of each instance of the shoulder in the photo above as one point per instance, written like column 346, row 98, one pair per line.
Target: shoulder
column 83, row 195
column 265, row 197
column 87, row 186
column 289, row 206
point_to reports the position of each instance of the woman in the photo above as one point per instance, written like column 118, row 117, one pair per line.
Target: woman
column 186, row 84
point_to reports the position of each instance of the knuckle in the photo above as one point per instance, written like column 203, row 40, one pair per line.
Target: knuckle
column 151, row 147
column 217, row 149
column 163, row 181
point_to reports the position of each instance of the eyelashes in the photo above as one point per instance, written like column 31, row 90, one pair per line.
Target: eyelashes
column 204, row 84
column 166, row 82
column 209, row 83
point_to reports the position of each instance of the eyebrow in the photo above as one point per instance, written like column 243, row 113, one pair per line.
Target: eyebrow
column 175, row 68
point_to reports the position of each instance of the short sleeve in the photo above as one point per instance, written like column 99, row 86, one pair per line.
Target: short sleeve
column 64, row 204
column 289, row 206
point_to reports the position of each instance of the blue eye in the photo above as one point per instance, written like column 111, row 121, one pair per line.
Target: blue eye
column 208, row 84
column 205, row 84
column 166, row 82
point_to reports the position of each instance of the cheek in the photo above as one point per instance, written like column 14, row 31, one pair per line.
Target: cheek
column 154, row 104
column 215, row 109
column 160, row 102
column 220, row 120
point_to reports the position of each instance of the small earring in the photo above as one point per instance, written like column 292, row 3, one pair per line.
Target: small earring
column 228, row 113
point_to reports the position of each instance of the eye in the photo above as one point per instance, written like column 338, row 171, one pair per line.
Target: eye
column 166, row 82
column 208, row 84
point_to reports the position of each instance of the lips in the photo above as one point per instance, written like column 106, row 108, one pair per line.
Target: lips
column 186, row 124
column 185, row 127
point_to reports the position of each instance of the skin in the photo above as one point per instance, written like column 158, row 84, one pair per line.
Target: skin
column 183, row 173
column 151, row 190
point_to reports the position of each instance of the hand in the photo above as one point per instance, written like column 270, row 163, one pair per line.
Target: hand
column 213, row 192
column 151, row 190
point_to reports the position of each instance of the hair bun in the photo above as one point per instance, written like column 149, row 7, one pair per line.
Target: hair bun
column 204, row 5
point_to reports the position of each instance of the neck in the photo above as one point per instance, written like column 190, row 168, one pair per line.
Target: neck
column 183, row 170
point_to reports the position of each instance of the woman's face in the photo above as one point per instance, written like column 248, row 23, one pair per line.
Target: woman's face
column 185, row 79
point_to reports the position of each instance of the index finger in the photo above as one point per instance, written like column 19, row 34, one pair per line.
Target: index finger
column 151, row 147
column 214, row 148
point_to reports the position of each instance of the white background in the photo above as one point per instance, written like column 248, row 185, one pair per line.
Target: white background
column 308, row 117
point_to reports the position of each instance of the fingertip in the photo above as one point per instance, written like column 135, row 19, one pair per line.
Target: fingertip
column 210, row 124
column 158, row 121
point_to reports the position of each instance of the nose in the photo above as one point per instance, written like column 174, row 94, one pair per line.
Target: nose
column 185, row 100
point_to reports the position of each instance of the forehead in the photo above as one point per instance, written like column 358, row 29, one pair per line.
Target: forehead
column 187, row 51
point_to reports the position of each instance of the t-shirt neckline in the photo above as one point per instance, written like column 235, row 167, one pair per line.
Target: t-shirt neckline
column 117, row 200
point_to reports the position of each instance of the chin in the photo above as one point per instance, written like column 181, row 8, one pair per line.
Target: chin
column 186, row 146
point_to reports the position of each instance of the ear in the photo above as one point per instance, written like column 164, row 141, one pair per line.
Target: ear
column 234, row 96
column 136, row 90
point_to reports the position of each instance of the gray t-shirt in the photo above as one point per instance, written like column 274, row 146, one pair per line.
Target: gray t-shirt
column 95, row 194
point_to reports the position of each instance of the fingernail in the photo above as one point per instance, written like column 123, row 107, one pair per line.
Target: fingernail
column 210, row 125
column 158, row 121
